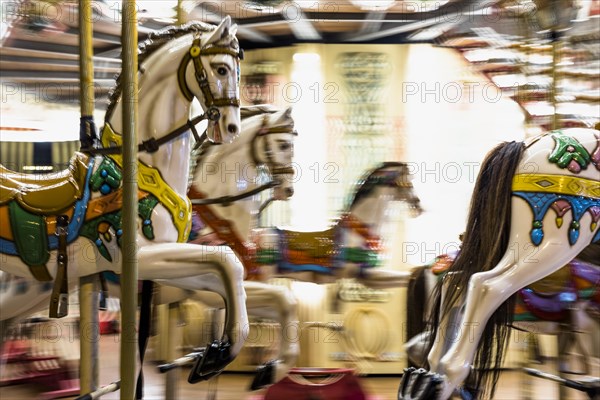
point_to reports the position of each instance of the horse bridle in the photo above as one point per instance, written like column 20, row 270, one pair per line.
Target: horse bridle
column 212, row 112
column 273, row 166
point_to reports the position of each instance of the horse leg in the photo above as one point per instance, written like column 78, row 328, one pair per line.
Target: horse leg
column 448, row 324
column 488, row 290
column 276, row 303
column 215, row 269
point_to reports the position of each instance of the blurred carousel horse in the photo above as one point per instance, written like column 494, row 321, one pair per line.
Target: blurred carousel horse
column 74, row 217
column 351, row 247
column 232, row 174
column 512, row 240
column 565, row 303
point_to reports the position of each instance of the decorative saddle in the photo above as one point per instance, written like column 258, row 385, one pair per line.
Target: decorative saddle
column 31, row 204
column 45, row 194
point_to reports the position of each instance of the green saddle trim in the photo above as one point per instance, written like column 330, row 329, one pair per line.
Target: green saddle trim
column 96, row 229
column 268, row 256
column 31, row 240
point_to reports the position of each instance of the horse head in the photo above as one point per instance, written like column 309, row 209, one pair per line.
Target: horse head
column 210, row 72
column 273, row 147
column 393, row 181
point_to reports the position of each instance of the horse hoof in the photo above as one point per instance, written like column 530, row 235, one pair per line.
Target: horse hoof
column 419, row 384
column 216, row 357
column 265, row 375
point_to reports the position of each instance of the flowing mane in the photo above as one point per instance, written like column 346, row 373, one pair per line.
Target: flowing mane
column 146, row 48
column 251, row 111
column 379, row 176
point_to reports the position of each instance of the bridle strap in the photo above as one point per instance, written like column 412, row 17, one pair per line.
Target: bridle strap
column 264, row 130
column 200, row 73
column 226, row 232
column 152, row 145
column 227, row 200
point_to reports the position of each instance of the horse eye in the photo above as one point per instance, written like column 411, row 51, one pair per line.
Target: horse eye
column 222, row 71
column 284, row 146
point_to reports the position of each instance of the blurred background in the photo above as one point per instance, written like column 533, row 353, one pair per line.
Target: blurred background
column 434, row 83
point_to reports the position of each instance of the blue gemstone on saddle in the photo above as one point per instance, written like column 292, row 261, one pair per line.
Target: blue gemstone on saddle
column 147, row 222
column 537, row 235
column 119, row 232
column 104, row 173
column 573, row 235
column 98, row 242
column 105, row 188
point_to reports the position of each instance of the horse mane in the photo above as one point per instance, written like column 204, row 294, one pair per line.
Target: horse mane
column 153, row 42
column 372, row 179
column 485, row 242
column 251, row 111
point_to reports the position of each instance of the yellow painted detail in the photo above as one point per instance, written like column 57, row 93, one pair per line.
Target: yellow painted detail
column 150, row 180
column 559, row 184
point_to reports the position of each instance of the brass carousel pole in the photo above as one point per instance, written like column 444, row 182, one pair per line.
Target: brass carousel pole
column 129, row 274
column 89, row 326
column 173, row 332
column 554, row 88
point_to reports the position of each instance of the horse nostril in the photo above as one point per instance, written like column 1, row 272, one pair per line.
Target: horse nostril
column 232, row 128
column 289, row 192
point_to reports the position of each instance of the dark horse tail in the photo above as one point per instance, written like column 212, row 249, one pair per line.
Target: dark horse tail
column 484, row 244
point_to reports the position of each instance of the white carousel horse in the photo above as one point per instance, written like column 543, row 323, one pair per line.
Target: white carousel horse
column 511, row 241
column 83, row 204
column 350, row 248
column 565, row 304
column 232, row 174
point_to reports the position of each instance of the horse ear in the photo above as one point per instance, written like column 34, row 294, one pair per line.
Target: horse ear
column 233, row 29
column 284, row 116
column 220, row 32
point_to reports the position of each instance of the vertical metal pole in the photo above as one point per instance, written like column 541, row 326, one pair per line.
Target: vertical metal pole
column 88, row 290
column 129, row 274
column 170, row 334
column 554, row 90
column 173, row 338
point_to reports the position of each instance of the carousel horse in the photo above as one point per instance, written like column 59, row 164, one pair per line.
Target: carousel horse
column 232, row 174
column 350, row 247
column 512, row 240
column 74, row 217
column 565, row 303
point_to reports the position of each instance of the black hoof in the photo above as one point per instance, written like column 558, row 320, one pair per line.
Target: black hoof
column 419, row 384
column 265, row 375
column 216, row 357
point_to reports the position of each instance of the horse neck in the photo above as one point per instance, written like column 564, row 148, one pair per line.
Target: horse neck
column 229, row 170
column 161, row 109
column 370, row 211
